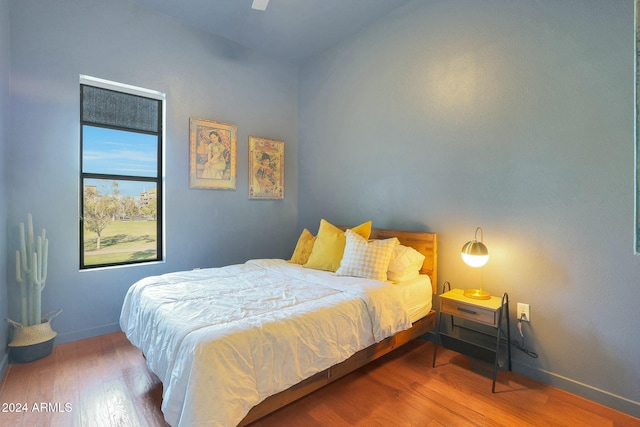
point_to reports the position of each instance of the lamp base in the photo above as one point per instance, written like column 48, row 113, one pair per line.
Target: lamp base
column 477, row 294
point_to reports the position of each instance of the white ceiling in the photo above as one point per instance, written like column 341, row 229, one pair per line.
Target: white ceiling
column 292, row 30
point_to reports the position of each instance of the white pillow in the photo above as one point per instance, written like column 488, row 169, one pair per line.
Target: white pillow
column 405, row 264
column 366, row 259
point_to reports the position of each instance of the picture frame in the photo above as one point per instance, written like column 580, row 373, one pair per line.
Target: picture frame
column 212, row 154
column 266, row 168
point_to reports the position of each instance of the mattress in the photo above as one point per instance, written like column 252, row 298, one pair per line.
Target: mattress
column 222, row 340
column 418, row 296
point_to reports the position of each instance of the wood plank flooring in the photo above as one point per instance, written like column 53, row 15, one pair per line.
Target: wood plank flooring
column 104, row 382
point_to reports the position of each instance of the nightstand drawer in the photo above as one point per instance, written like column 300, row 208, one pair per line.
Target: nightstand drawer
column 468, row 311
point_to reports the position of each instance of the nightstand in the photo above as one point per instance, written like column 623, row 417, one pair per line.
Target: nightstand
column 482, row 330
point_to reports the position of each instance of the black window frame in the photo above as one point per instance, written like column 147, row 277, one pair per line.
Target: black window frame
column 158, row 180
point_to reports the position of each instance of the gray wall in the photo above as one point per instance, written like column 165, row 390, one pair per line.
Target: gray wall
column 203, row 76
column 514, row 116
column 4, row 163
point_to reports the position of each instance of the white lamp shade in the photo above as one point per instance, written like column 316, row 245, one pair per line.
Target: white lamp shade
column 475, row 254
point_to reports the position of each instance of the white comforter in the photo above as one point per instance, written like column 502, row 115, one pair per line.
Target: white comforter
column 222, row 340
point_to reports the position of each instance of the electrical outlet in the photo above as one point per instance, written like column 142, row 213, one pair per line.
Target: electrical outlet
column 523, row 312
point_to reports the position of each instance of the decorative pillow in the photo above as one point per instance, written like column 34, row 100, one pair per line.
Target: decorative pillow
column 329, row 245
column 405, row 263
column 366, row 259
column 303, row 247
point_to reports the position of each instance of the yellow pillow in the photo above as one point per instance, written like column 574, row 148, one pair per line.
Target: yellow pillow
column 303, row 247
column 329, row 245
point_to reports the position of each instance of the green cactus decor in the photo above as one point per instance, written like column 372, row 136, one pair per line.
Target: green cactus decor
column 33, row 337
column 31, row 272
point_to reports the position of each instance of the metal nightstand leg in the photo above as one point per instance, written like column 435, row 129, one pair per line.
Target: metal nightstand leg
column 445, row 286
column 503, row 315
column 435, row 348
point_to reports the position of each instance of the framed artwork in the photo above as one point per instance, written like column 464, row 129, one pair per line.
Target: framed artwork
column 212, row 154
column 266, row 168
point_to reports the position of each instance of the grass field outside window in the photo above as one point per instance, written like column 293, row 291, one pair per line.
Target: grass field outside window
column 122, row 241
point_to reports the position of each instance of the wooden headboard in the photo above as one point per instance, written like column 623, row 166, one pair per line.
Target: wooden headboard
column 424, row 242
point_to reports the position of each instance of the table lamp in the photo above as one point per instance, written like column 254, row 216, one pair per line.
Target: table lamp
column 476, row 254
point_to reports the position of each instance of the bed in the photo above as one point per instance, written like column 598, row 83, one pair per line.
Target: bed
column 235, row 343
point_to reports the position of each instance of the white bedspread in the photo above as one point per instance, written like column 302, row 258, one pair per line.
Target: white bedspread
column 222, row 340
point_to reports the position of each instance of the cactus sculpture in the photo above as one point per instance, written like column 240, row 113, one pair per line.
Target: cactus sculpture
column 31, row 272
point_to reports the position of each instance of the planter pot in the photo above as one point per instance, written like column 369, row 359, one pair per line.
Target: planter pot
column 33, row 342
column 30, row 353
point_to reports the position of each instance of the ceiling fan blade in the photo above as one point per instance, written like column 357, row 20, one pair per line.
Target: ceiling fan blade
column 260, row 4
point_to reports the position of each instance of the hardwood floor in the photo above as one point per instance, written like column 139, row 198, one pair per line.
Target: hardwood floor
column 104, row 381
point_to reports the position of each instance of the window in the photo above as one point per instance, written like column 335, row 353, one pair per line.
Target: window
column 121, row 158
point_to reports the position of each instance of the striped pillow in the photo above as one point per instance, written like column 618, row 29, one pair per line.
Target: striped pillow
column 366, row 259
